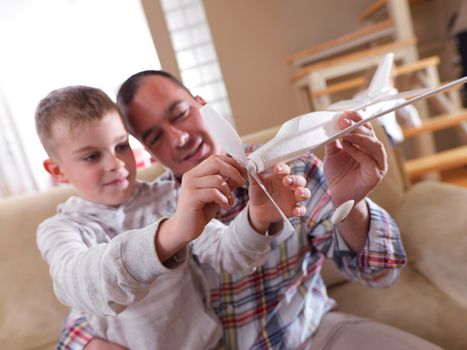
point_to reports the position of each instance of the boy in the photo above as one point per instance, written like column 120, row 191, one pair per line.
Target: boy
column 118, row 253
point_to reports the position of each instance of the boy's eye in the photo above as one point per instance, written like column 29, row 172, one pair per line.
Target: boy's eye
column 91, row 157
column 122, row 146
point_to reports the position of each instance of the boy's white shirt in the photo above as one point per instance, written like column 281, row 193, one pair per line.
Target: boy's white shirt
column 103, row 263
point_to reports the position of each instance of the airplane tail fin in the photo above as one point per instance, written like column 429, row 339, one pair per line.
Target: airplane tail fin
column 381, row 81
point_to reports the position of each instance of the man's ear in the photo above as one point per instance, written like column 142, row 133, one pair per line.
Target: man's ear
column 200, row 100
column 54, row 169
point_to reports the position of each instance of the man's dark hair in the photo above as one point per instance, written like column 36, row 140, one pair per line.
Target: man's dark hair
column 128, row 90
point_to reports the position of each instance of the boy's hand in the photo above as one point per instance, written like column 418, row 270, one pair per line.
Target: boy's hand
column 287, row 190
column 205, row 189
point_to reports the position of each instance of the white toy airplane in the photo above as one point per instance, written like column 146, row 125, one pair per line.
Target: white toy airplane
column 309, row 131
column 380, row 89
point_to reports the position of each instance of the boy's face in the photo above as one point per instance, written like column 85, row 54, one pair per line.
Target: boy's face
column 97, row 160
column 167, row 120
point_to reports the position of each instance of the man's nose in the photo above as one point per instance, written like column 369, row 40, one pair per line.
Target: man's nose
column 178, row 137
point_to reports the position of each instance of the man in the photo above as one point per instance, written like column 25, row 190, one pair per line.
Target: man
column 283, row 304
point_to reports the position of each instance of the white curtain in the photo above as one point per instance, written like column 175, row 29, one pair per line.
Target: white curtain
column 15, row 173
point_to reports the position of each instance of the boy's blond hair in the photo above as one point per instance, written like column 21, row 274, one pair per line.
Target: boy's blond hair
column 63, row 111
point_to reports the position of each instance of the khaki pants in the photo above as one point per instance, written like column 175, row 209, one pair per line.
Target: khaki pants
column 339, row 331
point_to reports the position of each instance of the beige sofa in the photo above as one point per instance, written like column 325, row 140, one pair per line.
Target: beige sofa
column 429, row 299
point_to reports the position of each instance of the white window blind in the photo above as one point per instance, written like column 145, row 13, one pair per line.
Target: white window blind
column 195, row 52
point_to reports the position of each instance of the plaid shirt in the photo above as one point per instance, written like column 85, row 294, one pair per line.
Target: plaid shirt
column 281, row 304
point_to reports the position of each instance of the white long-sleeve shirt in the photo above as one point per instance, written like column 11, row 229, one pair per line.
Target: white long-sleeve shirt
column 105, row 265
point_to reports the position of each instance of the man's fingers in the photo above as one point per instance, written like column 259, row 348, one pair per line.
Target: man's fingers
column 293, row 181
column 299, row 210
column 349, row 118
column 366, row 145
column 281, row 169
column 363, row 140
column 302, row 194
column 333, row 147
column 352, row 115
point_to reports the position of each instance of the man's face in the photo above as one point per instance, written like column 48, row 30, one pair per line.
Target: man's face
column 97, row 160
column 167, row 120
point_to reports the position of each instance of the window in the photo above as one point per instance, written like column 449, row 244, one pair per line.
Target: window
column 195, row 53
column 54, row 43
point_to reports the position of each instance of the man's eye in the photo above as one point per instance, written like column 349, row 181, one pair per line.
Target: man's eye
column 154, row 139
column 181, row 115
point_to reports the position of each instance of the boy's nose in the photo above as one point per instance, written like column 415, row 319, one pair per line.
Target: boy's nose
column 114, row 163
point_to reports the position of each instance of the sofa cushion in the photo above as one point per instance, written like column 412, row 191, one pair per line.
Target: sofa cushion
column 412, row 304
column 441, row 256
column 30, row 315
column 26, row 286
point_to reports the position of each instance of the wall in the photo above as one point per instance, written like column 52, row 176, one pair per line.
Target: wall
column 430, row 19
column 252, row 40
column 160, row 35
column 308, row 23
column 249, row 45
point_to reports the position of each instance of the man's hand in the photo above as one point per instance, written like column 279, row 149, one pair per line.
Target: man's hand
column 287, row 190
column 100, row 344
column 356, row 164
column 353, row 167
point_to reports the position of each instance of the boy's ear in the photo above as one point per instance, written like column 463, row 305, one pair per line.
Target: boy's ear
column 200, row 100
column 54, row 169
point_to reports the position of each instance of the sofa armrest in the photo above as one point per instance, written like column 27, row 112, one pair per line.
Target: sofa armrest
column 433, row 224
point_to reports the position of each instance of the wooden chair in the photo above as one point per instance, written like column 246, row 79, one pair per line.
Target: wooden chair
column 428, row 161
column 315, row 77
column 363, row 36
column 442, row 161
column 352, row 53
